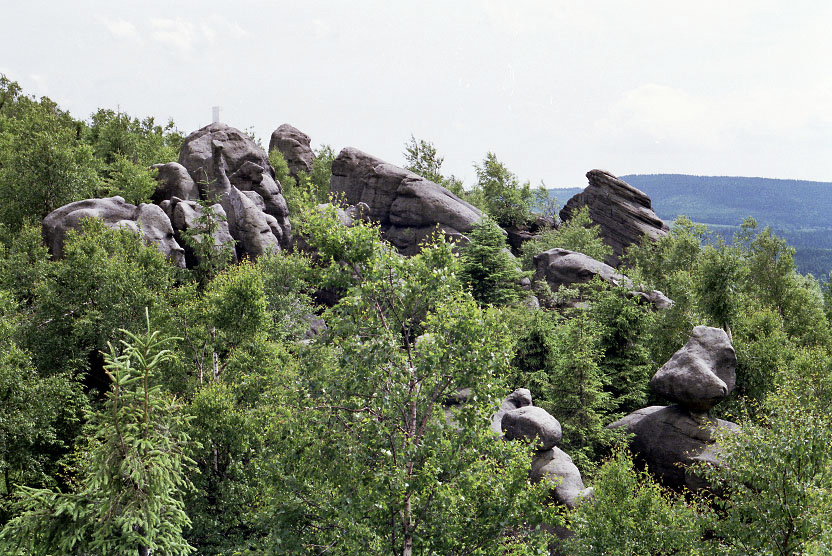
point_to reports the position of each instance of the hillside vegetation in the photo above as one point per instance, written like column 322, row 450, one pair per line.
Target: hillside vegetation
column 295, row 384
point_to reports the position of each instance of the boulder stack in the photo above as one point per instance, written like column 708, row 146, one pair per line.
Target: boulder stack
column 518, row 419
column 669, row 439
column 623, row 213
column 408, row 207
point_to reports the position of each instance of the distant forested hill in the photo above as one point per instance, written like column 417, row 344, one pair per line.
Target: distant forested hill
column 799, row 211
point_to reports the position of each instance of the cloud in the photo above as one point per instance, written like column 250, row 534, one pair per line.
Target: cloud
column 178, row 33
column 118, row 27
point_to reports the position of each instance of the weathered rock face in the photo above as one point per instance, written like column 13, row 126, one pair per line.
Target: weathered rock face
column 174, row 181
column 701, row 373
column 408, row 207
column 295, row 147
column 560, row 267
column 185, row 215
column 115, row 213
column 245, row 167
column 623, row 213
column 670, row 439
column 520, row 419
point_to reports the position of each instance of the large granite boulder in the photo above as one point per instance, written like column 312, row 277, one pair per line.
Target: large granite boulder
column 521, row 397
column 623, row 213
column 245, row 167
column 174, row 181
column 295, row 147
column 533, row 424
column 155, row 225
column 701, row 373
column 671, row 439
column 408, row 207
column 556, row 467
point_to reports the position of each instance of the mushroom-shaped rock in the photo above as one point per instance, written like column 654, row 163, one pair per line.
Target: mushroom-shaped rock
column 555, row 466
column 670, row 439
column 701, row 373
column 295, row 147
column 533, row 424
column 174, row 180
column 408, row 207
column 623, row 213
column 115, row 213
column 244, row 166
column 519, row 398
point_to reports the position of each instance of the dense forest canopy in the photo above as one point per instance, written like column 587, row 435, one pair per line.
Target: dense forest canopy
column 336, row 397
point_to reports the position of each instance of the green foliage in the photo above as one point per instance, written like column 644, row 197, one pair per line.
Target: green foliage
column 577, row 234
column 129, row 180
column 421, row 158
column 143, row 142
column 488, row 267
column 210, row 255
column 500, row 194
column 631, row 515
column 128, row 497
column 776, row 481
column 43, row 166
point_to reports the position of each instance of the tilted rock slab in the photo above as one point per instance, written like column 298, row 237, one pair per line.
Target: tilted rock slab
column 245, row 167
column 561, row 267
column 623, row 213
column 701, row 373
column 408, row 207
column 295, row 147
column 115, row 213
column 669, row 439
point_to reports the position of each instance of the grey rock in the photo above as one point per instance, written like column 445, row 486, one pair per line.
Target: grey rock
column 701, row 373
column 115, row 213
column 185, row 215
column 174, row 181
column 521, row 397
column 295, row 147
column 653, row 297
column 623, row 213
column 670, row 439
column 556, row 467
column 245, row 166
column 533, row 424
column 408, row 207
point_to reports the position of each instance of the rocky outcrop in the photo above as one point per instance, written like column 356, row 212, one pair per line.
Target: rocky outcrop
column 295, row 147
column 155, row 225
column 561, row 267
column 173, row 180
column 186, row 215
column 408, row 207
column 519, row 419
column 669, row 439
column 701, row 373
column 243, row 167
column 623, row 213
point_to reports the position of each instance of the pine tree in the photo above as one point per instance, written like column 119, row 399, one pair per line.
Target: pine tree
column 489, row 267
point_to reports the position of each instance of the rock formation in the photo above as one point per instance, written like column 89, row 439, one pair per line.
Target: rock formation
column 623, row 213
column 408, row 207
column 518, row 418
column 669, row 439
column 185, row 215
column 295, row 147
column 115, row 213
column 242, row 181
column 561, row 267
column 174, row 180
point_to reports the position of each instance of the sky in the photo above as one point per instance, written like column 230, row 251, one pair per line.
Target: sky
column 554, row 88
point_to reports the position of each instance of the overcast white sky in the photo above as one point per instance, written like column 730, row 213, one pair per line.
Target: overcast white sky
column 554, row 88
